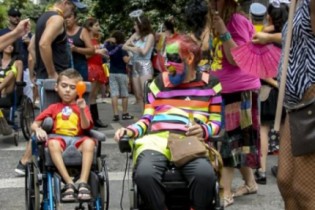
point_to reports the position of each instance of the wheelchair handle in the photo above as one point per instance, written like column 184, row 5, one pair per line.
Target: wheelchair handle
column 124, row 145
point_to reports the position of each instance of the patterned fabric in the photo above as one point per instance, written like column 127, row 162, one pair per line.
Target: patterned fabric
column 118, row 84
column 296, row 174
column 241, row 122
column 167, row 110
column 301, row 67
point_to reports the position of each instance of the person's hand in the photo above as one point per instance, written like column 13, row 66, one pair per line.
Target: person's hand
column 26, row 39
column 195, row 130
column 102, row 51
column 72, row 47
column 218, row 24
column 23, row 27
column 120, row 133
column 261, row 38
column 41, row 135
column 81, row 103
column 53, row 76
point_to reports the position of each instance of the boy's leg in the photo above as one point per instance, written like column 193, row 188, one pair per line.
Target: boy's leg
column 55, row 151
column 87, row 149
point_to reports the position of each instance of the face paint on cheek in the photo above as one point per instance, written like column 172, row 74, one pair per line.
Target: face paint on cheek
column 178, row 77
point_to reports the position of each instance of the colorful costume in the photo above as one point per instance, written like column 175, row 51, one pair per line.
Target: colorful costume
column 67, row 120
column 167, row 109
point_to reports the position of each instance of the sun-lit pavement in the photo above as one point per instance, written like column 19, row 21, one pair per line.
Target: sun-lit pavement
column 12, row 187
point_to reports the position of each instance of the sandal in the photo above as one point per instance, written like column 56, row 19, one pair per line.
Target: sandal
column 245, row 190
column 68, row 193
column 228, row 201
column 84, row 192
column 126, row 116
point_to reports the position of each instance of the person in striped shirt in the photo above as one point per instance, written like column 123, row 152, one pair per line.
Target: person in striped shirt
column 172, row 97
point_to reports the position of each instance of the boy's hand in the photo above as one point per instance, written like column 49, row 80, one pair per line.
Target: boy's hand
column 41, row 135
column 81, row 103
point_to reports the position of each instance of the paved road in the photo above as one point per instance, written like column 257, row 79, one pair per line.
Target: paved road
column 12, row 187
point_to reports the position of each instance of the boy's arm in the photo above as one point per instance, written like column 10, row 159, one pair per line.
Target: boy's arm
column 41, row 135
column 266, row 38
column 85, row 117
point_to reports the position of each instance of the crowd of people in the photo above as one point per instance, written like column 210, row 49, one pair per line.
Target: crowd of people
column 200, row 82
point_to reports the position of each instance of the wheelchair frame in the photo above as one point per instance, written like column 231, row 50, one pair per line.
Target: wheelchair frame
column 43, row 183
column 24, row 106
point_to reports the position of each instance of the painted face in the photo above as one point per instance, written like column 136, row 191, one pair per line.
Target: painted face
column 66, row 89
column 177, row 69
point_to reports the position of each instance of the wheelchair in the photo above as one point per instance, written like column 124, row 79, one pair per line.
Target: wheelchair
column 176, row 188
column 17, row 105
column 42, row 181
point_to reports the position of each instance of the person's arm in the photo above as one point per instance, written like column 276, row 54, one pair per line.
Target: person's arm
column 40, row 133
column 19, row 68
column 266, row 38
column 54, row 27
column 272, row 82
column 85, row 122
column 31, row 57
column 89, row 48
column 312, row 8
column 142, row 51
column 20, row 30
column 126, row 59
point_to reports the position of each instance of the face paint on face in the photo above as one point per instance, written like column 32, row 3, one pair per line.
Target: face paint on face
column 175, row 66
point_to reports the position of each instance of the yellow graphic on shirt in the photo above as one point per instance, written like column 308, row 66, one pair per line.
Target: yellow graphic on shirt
column 67, row 122
column 218, row 54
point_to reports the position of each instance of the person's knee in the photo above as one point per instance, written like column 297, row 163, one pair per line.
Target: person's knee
column 204, row 174
column 88, row 145
column 54, row 145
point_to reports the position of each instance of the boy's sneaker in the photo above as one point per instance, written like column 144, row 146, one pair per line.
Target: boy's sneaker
column 20, row 169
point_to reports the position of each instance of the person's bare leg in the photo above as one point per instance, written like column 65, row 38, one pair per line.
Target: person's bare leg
column 87, row 149
column 55, row 151
column 264, row 129
column 115, row 104
column 27, row 156
column 248, row 176
column 137, row 89
column 227, row 178
column 124, row 102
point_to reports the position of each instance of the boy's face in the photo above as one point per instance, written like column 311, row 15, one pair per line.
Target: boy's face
column 66, row 89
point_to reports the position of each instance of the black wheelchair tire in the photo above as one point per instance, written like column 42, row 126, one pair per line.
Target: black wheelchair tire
column 27, row 117
column 31, row 188
column 104, row 183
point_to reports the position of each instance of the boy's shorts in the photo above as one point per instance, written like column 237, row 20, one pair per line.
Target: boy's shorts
column 66, row 141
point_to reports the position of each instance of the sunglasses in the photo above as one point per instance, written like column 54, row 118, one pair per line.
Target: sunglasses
column 173, row 58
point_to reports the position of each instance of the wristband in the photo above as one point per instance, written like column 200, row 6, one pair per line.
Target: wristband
column 225, row 37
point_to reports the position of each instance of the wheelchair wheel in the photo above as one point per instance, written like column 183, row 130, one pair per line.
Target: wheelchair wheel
column 31, row 189
column 104, row 183
column 26, row 117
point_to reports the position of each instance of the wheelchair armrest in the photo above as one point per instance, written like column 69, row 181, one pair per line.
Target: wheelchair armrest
column 97, row 135
column 47, row 124
column 124, row 145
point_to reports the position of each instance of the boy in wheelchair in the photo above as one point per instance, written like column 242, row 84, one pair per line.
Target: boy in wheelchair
column 172, row 95
column 71, row 118
column 11, row 70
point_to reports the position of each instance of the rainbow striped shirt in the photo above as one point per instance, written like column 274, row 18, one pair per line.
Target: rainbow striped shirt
column 167, row 107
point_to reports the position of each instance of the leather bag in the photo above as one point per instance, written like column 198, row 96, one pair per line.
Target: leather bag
column 185, row 148
column 302, row 127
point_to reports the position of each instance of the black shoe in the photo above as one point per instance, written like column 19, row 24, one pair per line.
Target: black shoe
column 274, row 171
column 116, row 118
column 260, row 177
column 127, row 116
column 100, row 124
column 20, row 169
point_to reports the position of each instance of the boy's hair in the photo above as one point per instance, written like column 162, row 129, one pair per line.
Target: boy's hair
column 70, row 73
column 119, row 36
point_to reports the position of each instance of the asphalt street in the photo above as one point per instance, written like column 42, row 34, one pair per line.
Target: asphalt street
column 12, row 187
